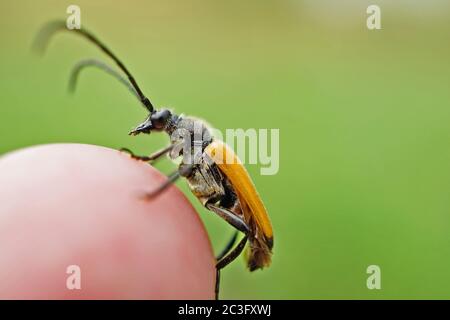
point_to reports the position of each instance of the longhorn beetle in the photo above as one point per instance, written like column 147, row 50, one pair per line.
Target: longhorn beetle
column 214, row 173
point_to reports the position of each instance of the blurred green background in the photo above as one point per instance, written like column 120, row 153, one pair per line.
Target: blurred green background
column 363, row 116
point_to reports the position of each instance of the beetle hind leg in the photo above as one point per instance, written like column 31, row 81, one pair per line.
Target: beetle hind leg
column 227, row 256
column 217, row 287
column 229, row 217
column 229, row 246
column 230, row 257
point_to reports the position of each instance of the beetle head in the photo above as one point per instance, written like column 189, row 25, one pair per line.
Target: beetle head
column 156, row 121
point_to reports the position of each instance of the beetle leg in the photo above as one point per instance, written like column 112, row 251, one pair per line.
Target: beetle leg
column 171, row 179
column 151, row 157
column 229, row 217
column 227, row 260
column 226, row 257
column 228, row 247
column 182, row 171
column 217, row 287
column 233, row 254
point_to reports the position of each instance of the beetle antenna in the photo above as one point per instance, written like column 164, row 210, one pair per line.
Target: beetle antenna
column 51, row 28
column 102, row 66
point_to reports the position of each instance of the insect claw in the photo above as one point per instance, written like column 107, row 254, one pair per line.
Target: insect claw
column 130, row 153
column 126, row 150
column 147, row 196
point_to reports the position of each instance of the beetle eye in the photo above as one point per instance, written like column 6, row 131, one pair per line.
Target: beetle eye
column 159, row 118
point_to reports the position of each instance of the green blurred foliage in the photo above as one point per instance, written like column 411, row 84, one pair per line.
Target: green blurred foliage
column 363, row 116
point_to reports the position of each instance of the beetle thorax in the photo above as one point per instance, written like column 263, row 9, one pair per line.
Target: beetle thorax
column 189, row 129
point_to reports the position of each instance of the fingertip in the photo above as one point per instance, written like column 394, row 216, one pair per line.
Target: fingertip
column 80, row 205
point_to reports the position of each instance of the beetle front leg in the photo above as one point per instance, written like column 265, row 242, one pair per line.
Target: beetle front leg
column 154, row 156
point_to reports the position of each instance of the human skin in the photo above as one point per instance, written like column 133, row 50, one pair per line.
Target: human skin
column 84, row 205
